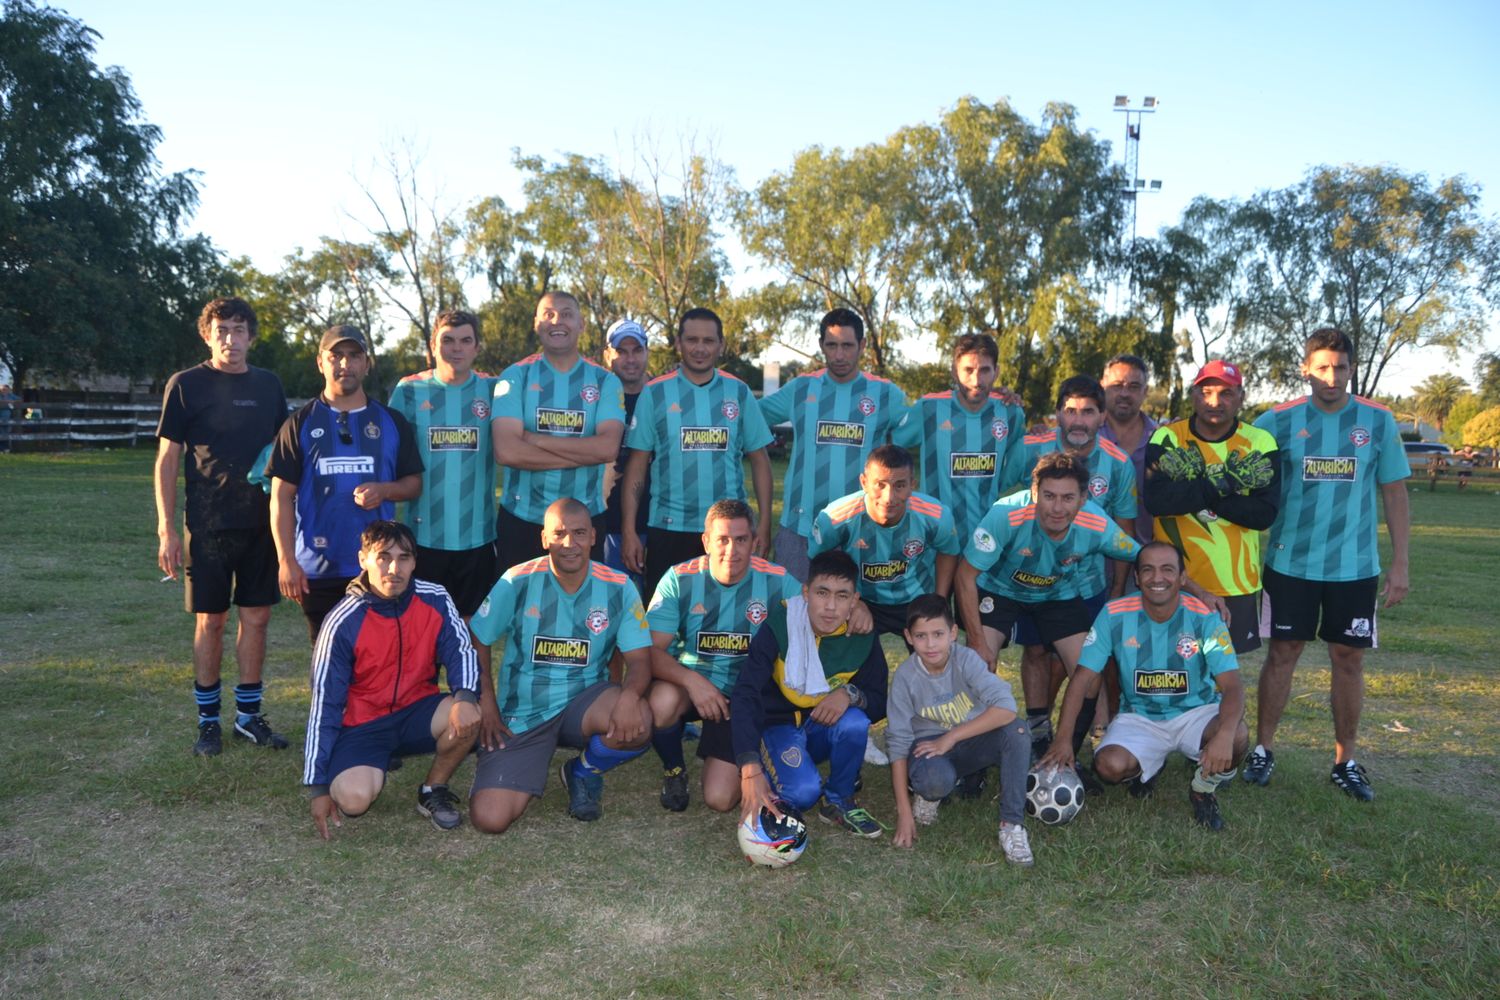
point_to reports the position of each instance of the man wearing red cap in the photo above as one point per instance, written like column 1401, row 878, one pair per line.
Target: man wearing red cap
column 1213, row 484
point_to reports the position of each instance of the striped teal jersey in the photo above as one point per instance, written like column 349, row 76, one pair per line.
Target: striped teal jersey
column 698, row 436
column 451, row 423
column 556, row 643
column 1111, row 485
column 1017, row 559
column 968, row 458
column 1166, row 668
column 1331, row 467
column 574, row 403
column 896, row 562
column 711, row 622
column 835, row 427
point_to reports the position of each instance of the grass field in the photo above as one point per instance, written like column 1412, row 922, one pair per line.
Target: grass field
column 129, row 868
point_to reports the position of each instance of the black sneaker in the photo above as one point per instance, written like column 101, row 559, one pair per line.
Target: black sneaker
column 210, row 740
column 1091, row 784
column 585, row 791
column 852, row 818
column 1142, row 789
column 1350, row 778
column 1206, row 810
column 1258, row 766
column 674, row 790
column 258, row 732
column 971, row 785
column 441, row 806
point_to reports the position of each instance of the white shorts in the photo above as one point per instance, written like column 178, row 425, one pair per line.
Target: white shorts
column 1149, row 741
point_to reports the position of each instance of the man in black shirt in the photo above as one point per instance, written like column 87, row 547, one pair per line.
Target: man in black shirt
column 222, row 414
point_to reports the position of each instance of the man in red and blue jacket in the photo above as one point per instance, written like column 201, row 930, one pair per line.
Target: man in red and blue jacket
column 374, row 686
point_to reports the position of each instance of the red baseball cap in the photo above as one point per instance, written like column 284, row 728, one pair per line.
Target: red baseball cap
column 1224, row 371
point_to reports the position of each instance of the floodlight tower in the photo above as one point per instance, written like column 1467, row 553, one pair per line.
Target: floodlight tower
column 1134, row 183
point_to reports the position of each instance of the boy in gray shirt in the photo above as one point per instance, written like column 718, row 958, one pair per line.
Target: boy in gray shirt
column 949, row 716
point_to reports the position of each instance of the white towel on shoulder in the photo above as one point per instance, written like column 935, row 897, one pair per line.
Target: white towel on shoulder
column 804, row 668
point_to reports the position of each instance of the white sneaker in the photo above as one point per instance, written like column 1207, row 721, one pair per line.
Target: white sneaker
column 875, row 755
column 924, row 811
column 1014, row 843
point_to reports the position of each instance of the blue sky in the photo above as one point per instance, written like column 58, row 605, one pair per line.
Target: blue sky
column 283, row 105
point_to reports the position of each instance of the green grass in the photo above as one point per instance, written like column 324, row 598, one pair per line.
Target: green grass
column 130, row 868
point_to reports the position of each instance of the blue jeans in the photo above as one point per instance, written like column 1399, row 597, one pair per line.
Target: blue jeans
column 1009, row 746
column 792, row 755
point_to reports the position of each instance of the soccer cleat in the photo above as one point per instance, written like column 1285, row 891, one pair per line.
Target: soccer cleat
column 924, row 811
column 1351, row 779
column 1142, row 789
column 584, row 792
column 1091, row 784
column 210, row 740
column 674, row 790
column 258, row 733
column 1258, row 766
column 854, row 819
column 441, row 806
column 1014, row 843
column 1206, row 810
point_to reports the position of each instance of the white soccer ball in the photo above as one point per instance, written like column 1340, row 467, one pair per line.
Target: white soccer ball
column 774, row 843
column 1054, row 795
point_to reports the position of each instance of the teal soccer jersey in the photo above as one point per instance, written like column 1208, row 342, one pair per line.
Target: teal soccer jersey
column 556, row 643
column 835, row 427
column 1111, row 486
column 896, row 563
column 698, row 436
column 1166, row 668
column 967, row 458
column 567, row 404
column 1331, row 467
column 451, row 423
column 712, row 623
column 1017, row 559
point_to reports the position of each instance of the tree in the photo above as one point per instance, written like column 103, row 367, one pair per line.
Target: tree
column 1436, row 395
column 1487, row 377
column 1483, row 429
column 91, row 263
column 1390, row 258
column 1464, row 409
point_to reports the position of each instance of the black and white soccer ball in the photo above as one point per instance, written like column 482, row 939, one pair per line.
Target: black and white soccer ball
column 1053, row 795
column 774, row 843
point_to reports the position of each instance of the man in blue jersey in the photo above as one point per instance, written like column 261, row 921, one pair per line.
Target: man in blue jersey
column 558, row 418
column 693, row 426
column 702, row 618
column 563, row 617
column 839, row 415
column 1180, row 687
column 1337, row 452
column 340, row 462
column 627, row 353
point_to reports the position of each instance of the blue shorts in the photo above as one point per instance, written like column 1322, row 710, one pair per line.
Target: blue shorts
column 1026, row 633
column 404, row 733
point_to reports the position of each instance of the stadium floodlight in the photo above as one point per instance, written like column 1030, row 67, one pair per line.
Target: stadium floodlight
column 1156, row 185
column 1149, row 102
column 1121, row 101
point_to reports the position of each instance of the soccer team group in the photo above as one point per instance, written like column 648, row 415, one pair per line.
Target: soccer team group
column 1123, row 555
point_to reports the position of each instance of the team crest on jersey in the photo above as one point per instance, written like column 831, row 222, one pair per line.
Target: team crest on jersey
column 1360, row 437
column 1091, row 638
column 756, row 612
column 1187, row 646
column 597, row 620
column 1000, row 430
column 986, row 605
column 589, row 393
column 791, row 757
column 731, row 409
column 479, row 408
column 866, row 405
column 1359, row 628
column 1098, row 486
column 316, row 433
column 983, row 540
column 913, row 548
column 372, row 431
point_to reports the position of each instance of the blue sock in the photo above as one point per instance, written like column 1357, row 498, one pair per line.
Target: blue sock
column 208, row 702
column 668, row 745
column 247, row 700
column 599, row 758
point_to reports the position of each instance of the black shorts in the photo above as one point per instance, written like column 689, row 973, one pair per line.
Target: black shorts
column 715, row 739
column 404, row 733
column 518, row 541
column 1244, row 621
column 667, row 549
column 1054, row 619
column 890, row 619
column 320, row 598
column 1292, row 606
column 466, row 574
column 224, row 565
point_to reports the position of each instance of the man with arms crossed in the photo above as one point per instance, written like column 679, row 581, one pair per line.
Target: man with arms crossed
column 1180, row 687
column 374, row 686
column 223, row 413
column 1337, row 451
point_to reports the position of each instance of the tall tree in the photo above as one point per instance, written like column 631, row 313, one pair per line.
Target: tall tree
column 1487, row 378
column 1436, row 395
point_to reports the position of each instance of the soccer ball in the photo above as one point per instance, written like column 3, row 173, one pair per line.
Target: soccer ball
column 1054, row 795
column 774, row 843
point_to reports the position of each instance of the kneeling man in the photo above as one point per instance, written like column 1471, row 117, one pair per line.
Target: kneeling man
column 1179, row 687
column 374, row 686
